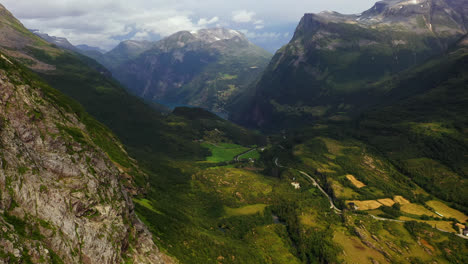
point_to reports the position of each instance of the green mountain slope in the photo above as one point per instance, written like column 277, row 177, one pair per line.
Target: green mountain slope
column 403, row 158
column 402, row 163
column 126, row 50
column 166, row 146
column 65, row 181
column 86, row 81
column 329, row 68
column 205, row 201
column 425, row 134
column 206, row 68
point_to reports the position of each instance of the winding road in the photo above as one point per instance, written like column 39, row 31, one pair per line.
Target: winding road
column 236, row 158
column 314, row 182
column 338, row 211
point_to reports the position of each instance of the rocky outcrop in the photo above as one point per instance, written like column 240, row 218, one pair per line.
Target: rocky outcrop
column 61, row 197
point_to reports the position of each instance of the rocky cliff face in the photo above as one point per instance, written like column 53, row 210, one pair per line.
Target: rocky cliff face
column 327, row 69
column 61, row 197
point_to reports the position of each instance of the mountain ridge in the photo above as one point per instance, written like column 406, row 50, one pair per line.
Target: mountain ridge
column 333, row 58
column 205, row 68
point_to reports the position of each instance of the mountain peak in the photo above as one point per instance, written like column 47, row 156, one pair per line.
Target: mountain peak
column 419, row 16
column 59, row 41
column 136, row 43
column 85, row 47
column 217, row 34
column 204, row 37
column 130, row 48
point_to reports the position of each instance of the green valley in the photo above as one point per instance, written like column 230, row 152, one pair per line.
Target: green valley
column 350, row 146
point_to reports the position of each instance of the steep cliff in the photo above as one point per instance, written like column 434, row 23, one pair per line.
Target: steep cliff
column 62, row 198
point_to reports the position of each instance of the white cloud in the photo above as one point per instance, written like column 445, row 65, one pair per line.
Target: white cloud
column 142, row 35
column 104, row 22
column 263, row 35
column 203, row 22
column 242, row 16
column 169, row 25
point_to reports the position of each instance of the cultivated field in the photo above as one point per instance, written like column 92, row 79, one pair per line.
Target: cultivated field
column 366, row 205
column 386, row 201
column 354, row 181
column 416, row 209
column 446, row 211
column 409, row 207
column 400, row 199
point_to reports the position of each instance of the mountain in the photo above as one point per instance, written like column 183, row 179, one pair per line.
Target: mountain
column 91, row 85
column 72, row 156
column 63, row 43
column 205, row 68
column 385, row 187
column 62, row 181
column 412, row 143
column 60, row 42
column 425, row 132
column 221, row 65
column 126, row 50
column 92, row 52
column 329, row 68
column 85, row 47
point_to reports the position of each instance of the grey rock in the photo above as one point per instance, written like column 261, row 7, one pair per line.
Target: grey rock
column 66, row 191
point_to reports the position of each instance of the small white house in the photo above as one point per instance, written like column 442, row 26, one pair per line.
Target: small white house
column 296, row 185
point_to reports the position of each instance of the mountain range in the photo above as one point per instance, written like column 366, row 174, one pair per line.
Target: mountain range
column 359, row 153
column 333, row 64
column 206, row 68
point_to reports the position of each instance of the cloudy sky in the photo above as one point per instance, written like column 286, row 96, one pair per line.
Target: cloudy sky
column 104, row 23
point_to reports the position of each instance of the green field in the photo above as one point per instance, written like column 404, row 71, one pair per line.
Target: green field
column 251, row 155
column 246, row 210
column 223, row 151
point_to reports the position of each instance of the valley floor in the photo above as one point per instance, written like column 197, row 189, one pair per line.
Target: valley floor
column 300, row 204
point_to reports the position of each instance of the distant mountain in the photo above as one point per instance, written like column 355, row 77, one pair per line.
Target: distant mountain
column 92, row 52
column 60, row 42
column 126, row 50
column 329, row 68
column 205, row 68
column 137, row 124
column 85, row 47
column 219, row 65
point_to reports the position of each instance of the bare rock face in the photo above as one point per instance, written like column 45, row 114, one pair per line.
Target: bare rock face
column 60, row 195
